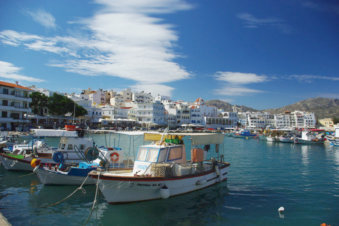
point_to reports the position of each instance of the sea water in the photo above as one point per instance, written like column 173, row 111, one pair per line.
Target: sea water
column 304, row 179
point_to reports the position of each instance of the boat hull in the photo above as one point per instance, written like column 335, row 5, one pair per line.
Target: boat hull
column 15, row 164
column 50, row 177
column 134, row 189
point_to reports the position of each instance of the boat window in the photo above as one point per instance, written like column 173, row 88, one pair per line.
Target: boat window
column 82, row 146
column 175, row 153
column 142, row 154
column 152, row 155
column 70, row 147
column 162, row 155
column 63, row 146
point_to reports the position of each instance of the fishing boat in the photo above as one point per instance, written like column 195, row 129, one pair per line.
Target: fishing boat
column 71, row 150
column 271, row 139
column 335, row 140
column 286, row 139
column 62, row 174
column 162, row 171
column 308, row 137
column 244, row 134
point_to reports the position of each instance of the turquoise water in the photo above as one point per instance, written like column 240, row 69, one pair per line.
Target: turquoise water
column 262, row 177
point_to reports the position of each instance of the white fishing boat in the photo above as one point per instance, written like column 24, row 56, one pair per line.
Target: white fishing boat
column 71, row 150
column 22, row 154
column 271, row 139
column 161, row 169
column 286, row 139
column 335, row 140
column 308, row 137
column 76, row 175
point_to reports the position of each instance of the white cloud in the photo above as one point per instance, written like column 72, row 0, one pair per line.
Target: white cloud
column 9, row 71
column 155, row 89
column 235, row 83
column 251, row 21
column 123, row 39
column 240, row 78
column 236, row 91
column 310, row 78
column 42, row 17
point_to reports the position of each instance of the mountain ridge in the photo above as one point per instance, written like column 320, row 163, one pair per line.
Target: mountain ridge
column 321, row 106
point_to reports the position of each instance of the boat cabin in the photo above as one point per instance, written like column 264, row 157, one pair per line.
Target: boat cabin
column 70, row 143
column 156, row 154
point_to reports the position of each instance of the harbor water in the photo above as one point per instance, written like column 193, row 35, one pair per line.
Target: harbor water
column 304, row 179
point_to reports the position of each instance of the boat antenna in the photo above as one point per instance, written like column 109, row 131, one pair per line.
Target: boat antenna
column 162, row 136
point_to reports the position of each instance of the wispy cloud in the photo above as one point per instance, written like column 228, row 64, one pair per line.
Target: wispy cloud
column 9, row 71
column 251, row 21
column 236, row 91
column 323, row 6
column 43, row 17
column 134, row 44
column 310, row 78
column 240, row 78
column 235, row 83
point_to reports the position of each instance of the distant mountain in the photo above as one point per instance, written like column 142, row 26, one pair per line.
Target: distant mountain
column 228, row 107
column 322, row 107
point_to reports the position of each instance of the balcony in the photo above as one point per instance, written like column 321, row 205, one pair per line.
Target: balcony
column 5, row 120
column 9, row 96
column 15, row 108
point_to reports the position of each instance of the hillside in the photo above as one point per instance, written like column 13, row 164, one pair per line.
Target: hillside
column 322, row 107
column 228, row 107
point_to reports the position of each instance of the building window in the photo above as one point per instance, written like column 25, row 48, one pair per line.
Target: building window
column 5, row 102
column 4, row 114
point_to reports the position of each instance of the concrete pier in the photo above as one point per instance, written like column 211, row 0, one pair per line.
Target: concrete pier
column 3, row 221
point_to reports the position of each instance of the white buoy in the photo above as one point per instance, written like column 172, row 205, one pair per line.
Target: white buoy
column 281, row 209
column 164, row 192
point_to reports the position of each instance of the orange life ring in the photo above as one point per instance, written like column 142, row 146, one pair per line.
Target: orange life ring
column 114, row 157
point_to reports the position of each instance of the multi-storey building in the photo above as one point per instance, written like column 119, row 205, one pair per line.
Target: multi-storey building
column 148, row 113
column 14, row 102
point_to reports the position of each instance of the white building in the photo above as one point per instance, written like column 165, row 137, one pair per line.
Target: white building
column 142, row 97
column 199, row 111
column 282, row 121
column 148, row 113
column 14, row 102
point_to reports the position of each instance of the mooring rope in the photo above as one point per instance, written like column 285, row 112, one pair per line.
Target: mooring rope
column 70, row 195
column 27, row 174
column 94, row 201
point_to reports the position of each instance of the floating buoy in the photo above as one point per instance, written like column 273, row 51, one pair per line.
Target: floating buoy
column 281, row 209
column 164, row 192
column 35, row 163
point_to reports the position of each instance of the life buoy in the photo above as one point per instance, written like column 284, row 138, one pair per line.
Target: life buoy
column 114, row 157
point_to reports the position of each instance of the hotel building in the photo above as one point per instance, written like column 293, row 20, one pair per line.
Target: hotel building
column 14, row 106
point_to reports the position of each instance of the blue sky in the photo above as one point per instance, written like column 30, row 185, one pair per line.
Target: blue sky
column 261, row 54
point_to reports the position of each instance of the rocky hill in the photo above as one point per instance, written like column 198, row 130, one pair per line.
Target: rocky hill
column 322, row 107
column 228, row 107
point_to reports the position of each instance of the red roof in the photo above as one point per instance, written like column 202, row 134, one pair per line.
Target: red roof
column 125, row 107
column 13, row 85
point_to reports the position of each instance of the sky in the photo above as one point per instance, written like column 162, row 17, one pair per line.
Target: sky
column 261, row 54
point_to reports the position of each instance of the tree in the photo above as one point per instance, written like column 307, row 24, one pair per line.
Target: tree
column 335, row 120
column 61, row 105
column 39, row 102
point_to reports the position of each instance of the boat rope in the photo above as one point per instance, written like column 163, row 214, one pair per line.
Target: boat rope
column 27, row 174
column 94, row 201
column 70, row 195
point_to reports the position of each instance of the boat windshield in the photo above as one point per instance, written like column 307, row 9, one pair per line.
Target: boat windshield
column 152, row 155
column 142, row 154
